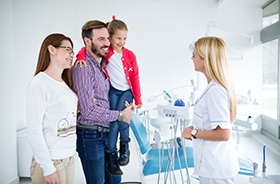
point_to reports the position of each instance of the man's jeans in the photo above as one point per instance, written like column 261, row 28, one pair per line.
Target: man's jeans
column 91, row 146
column 117, row 102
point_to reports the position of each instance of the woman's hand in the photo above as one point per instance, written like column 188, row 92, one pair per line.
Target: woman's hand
column 52, row 178
column 187, row 133
column 217, row 134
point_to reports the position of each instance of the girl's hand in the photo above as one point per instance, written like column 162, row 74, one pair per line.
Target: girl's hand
column 139, row 106
column 81, row 63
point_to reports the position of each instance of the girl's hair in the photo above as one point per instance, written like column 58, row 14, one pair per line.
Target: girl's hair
column 214, row 52
column 115, row 25
column 55, row 40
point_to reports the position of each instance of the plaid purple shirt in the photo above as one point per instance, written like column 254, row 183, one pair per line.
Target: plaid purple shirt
column 91, row 83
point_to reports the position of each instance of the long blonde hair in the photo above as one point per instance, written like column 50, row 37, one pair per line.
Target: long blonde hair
column 214, row 52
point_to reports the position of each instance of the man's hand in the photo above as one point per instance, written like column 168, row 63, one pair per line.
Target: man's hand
column 127, row 112
column 81, row 63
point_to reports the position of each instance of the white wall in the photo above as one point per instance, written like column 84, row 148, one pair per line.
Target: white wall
column 9, row 106
column 160, row 32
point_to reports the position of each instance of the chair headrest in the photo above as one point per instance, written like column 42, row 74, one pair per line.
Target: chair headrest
column 140, row 133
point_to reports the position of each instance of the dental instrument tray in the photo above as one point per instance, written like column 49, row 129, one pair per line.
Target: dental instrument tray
column 175, row 111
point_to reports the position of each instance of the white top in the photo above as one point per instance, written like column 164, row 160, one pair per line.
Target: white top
column 213, row 159
column 115, row 70
column 51, row 120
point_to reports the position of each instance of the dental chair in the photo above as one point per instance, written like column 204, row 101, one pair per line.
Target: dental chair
column 160, row 165
column 166, row 165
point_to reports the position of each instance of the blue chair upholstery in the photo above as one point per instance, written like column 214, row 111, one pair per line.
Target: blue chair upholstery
column 153, row 154
column 140, row 133
column 153, row 163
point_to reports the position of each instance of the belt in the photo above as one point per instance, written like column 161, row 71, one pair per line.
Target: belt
column 95, row 127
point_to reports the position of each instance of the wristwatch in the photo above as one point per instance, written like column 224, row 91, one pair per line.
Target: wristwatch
column 120, row 118
column 193, row 133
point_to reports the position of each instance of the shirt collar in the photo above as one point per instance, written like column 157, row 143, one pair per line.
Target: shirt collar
column 96, row 63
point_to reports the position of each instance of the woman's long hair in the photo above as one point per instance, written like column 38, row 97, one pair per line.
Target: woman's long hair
column 214, row 52
column 55, row 40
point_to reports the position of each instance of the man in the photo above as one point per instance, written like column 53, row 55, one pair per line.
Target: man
column 93, row 119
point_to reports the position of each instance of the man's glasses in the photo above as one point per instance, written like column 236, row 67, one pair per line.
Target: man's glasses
column 70, row 50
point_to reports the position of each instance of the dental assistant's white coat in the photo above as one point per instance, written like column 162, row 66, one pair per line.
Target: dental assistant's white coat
column 213, row 159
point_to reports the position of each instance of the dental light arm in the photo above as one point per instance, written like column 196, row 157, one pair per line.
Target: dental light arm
column 168, row 96
column 212, row 24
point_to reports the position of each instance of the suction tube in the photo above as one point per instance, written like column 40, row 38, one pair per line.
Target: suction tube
column 264, row 164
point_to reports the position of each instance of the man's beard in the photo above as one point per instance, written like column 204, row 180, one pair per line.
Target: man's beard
column 96, row 51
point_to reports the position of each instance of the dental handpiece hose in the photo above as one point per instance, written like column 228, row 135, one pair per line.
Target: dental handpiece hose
column 264, row 165
column 167, row 96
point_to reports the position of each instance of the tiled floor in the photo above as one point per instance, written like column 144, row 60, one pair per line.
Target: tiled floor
column 249, row 147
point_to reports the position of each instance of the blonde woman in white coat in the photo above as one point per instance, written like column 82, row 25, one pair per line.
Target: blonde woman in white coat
column 215, row 159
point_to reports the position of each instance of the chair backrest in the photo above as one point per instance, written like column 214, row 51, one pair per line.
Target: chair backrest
column 140, row 133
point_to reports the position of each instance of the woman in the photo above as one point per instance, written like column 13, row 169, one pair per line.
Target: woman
column 215, row 159
column 51, row 113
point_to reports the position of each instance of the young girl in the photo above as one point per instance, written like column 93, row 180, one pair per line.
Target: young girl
column 122, row 69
